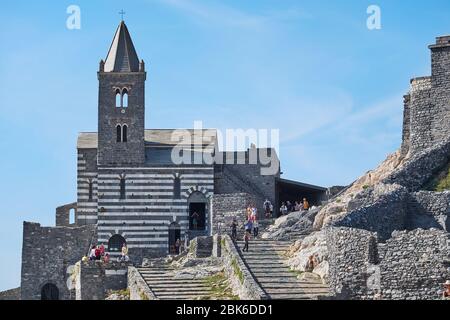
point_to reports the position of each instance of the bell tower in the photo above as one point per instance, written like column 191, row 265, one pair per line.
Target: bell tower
column 121, row 103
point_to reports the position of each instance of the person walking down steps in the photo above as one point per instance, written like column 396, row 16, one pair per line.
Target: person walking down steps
column 246, row 241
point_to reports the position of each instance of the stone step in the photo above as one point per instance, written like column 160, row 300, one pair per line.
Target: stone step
column 297, row 291
column 274, row 270
column 306, row 286
column 293, row 296
column 171, row 281
column 276, row 276
column 181, row 292
column 176, row 286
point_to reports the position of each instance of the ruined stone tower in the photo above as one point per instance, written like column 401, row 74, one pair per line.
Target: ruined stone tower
column 121, row 107
column 427, row 104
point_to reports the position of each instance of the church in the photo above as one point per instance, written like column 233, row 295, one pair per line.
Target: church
column 132, row 187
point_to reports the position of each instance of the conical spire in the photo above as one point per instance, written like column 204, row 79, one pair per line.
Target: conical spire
column 122, row 56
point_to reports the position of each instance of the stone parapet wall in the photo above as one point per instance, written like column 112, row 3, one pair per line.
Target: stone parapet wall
column 93, row 279
column 241, row 280
column 409, row 265
column 139, row 290
column 429, row 209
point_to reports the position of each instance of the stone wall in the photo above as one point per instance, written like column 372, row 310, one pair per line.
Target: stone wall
column 63, row 215
column 428, row 209
column 384, row 215
column 94, row 279
column 350, row 252
column 410, row 265
column 139, row 290
column 201, row 247
column 413, row 265
column 47, row 254
column 421, row 167
column 225, row 207
column 427, row 109
column 12, row 294
column 241, row 280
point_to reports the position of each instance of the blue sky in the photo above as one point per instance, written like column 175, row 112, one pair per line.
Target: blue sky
column 310, row 68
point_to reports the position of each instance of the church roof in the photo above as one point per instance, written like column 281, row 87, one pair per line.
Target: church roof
column 157, row 137
column 122, row 56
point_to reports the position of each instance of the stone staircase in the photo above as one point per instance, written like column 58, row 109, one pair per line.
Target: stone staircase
column 165, row 286
column 267, row 264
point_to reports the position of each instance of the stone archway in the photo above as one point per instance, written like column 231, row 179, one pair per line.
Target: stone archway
column 115, row 243
column 49, row 292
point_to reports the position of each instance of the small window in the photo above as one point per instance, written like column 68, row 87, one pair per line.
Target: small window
column 72, row 219
column 91, row 187
column 124, row 133
column 177, row 188
column 125, row 98
column 119, row 133
column 118, row 99
column 122, row 188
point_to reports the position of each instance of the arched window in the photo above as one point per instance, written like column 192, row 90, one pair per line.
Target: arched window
column 122, row 188
column 124, row 133
column 119, row 133
column 91, row 187
column 49, row 292
column 125, row 98
column 177, row 188
column 115, row 243
column 118, row 99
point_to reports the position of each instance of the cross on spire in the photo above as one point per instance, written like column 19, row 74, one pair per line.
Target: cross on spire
column 122, row 13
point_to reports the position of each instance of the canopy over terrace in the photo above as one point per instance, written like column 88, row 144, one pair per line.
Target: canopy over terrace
column 288, row 190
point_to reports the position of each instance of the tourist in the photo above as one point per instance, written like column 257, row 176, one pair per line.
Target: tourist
column 234, row 229
column 249, row 226
column 254, row 214
column 97, row 253
column 446, row 293
column 92, row 253
column 283, row 209
column 289, row 206
column 298, row 207
column 177, row 246
column 246, row 241
column 271, row 210
column 124, row 256
column 249, row 212
column 102, row 250
column 305, row 204
column 106, row 258
column 195, row 216
column 267, row 206
column 255, row 228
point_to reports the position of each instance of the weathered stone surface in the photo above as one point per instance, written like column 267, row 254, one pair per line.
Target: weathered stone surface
column 12, row 294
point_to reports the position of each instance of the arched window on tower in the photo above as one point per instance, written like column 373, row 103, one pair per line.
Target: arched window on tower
column 118, row 99
column 122, row 188
column 125, row 98
column 177, row 188
column 119, row 133
column 124, row 133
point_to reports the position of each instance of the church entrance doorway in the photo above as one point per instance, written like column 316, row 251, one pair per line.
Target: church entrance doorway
column 197, row 216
